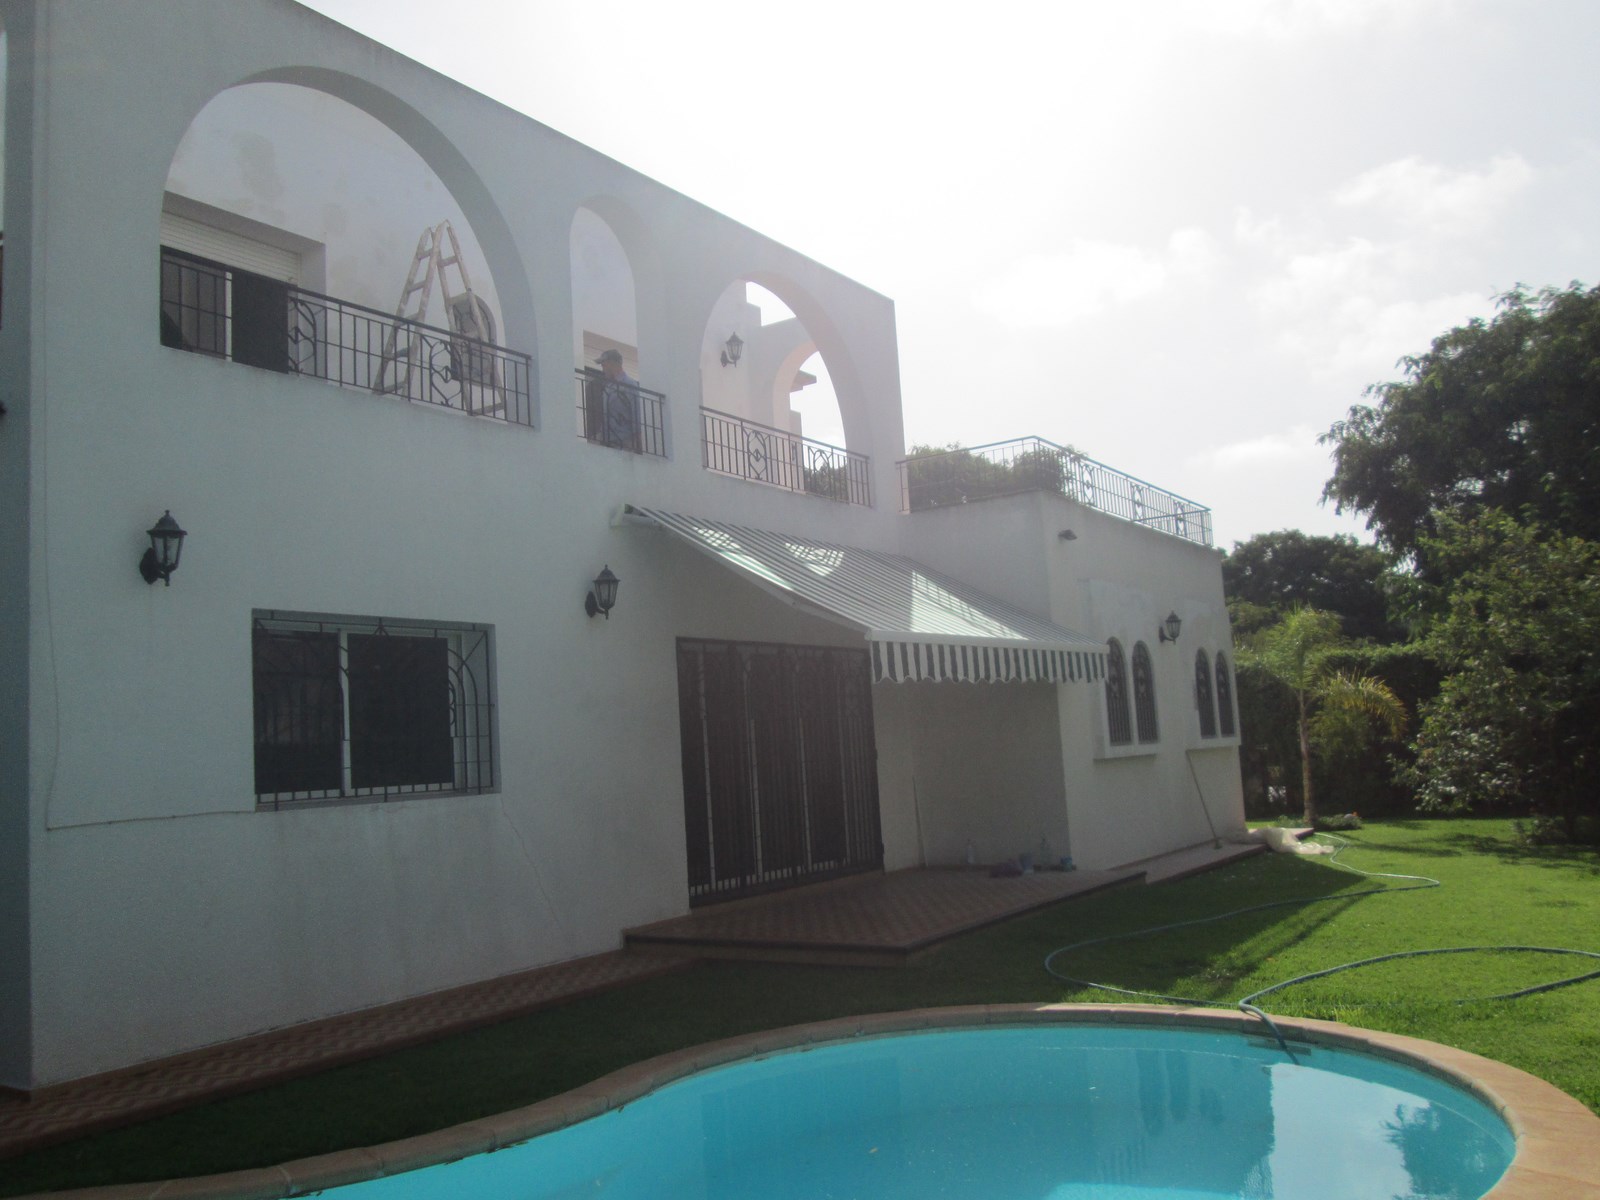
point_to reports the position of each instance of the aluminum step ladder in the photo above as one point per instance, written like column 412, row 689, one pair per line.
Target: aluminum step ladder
column 405, row 357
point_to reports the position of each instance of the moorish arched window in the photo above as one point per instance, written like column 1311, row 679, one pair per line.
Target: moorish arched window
column 1202, row 695
column 1224, row 695
column 1121, row 729
column 1144, row 693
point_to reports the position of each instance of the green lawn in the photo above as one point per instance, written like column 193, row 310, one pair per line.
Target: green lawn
column 1495, row 893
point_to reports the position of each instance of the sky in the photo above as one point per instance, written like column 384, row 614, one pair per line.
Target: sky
column 1181, row 236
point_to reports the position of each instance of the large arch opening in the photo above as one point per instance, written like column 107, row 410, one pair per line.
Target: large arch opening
column 300, row 233
column 771, row 412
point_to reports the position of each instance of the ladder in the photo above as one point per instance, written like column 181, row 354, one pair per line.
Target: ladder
column 405, row 356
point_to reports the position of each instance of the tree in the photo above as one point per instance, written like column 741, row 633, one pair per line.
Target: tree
column 1516, row 724
column 1503, row 414
column 940, row 475
column 1270, row 573
column 1334, row 710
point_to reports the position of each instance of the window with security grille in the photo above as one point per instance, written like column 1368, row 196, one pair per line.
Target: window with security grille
column 369, row 708
column 1225, row 696
column 1144, row 693
column 1202, row 695
column 1119, row 727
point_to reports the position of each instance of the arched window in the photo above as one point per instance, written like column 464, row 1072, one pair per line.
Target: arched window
column 1224, row 695
column 1117, row 722
column 1144, row 693
column 1202, row 695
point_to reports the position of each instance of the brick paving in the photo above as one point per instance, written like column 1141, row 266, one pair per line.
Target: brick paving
column 101, row 1102
column 871, row 920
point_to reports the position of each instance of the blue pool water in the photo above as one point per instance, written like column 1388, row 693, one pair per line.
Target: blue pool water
column 1054, row 1112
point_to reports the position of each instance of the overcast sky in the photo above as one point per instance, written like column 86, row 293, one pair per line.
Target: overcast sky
column 1182, row 236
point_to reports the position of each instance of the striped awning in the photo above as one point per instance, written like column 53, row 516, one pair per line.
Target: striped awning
column 920, row 624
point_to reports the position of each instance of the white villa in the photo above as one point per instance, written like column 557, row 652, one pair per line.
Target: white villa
column 342, row 318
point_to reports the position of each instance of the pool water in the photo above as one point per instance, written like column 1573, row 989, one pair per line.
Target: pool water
column 1054, row 1112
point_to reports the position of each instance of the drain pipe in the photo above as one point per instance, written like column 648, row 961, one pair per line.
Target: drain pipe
column 1216, row 842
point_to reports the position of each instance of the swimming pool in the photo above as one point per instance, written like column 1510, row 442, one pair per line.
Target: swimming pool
column 1035, row 1111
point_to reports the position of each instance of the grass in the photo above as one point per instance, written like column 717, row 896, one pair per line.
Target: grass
column 1494, row 892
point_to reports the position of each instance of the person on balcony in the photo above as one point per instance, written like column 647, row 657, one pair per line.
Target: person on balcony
column 618, row 396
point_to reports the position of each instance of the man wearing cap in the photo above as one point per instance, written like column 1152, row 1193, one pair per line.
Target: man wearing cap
column 617, row 421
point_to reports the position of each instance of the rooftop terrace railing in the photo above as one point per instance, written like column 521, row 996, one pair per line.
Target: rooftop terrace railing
column 749, row 450
column 1033, row 464
column 211, row 308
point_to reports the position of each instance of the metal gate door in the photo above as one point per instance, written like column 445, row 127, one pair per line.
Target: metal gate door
column 780, row 778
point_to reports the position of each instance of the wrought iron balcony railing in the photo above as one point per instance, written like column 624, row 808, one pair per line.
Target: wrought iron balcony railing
column 621, row 415
column 1033, row 464
column 211, row 308
column 734, row 446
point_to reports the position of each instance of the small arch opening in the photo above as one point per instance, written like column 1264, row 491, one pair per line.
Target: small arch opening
column 1119, row 725
column 614, row 407
column 1225, row 696
column 1144, row 694
column 770, row 409
column 1202, row 695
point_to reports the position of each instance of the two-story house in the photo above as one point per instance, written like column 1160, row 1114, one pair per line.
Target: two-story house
column 419, row 380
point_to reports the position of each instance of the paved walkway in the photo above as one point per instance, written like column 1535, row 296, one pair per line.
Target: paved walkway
column 871, row 920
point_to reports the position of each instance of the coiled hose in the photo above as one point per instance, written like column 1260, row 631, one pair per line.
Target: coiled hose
column 1247, row 1004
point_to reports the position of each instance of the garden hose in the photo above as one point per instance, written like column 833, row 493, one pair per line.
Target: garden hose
column 1247, row 1004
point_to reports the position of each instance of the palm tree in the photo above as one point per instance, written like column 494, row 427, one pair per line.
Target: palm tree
column 1335, row 709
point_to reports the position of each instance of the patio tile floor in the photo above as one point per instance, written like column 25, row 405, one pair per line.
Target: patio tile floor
column 867, row 920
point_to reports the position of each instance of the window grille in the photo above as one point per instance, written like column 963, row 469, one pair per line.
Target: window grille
column 1117, row 722
column 1202, row 695
column 1144, row 693
column 369, row 708
column 1225, row 696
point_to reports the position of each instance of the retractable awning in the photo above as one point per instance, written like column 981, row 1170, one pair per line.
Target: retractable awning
column 921, row 624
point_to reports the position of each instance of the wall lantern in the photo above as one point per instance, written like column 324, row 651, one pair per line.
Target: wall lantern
column 604, row 595
column 166, row 545
column 733, row 350
column 1170, row 628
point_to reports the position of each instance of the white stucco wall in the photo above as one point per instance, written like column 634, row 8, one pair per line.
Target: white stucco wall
column 985, row 772
column 18, row 831
column 1112, row 579
column 160, row 911
column 164, row 912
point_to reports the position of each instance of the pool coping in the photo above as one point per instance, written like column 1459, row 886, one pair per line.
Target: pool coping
column 1557, row 1138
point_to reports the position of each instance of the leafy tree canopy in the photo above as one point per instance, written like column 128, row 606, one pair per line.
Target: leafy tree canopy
column 1516, row 725
column 1500, row 414
column 1271, row 573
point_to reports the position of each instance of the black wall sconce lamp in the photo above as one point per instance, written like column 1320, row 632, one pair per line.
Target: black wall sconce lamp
column 732, row 350
column 1171, row 627
column 166, row 546
column 604, row 596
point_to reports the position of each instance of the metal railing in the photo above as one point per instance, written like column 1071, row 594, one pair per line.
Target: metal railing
column 211, row 308
column 749, row 450
column 621, row 415
column 1033, row 464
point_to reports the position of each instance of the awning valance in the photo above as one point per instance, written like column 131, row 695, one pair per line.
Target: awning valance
column 922, row 625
